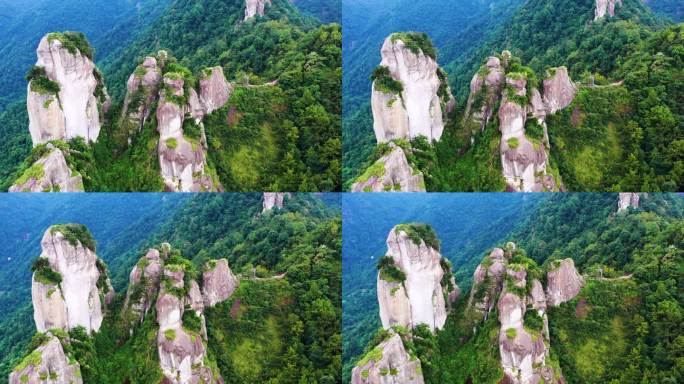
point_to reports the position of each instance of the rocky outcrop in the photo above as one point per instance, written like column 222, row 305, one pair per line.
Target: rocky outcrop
column 214, row 89
column 388, row 363
column 605, row 6
column 182, row 352
column 420, row 108
column 142, row 91
column 49, row 174
column 218, row 282
column 391, row 173
column 559, row 90
column 255, row 7
column 69, row 285
column 182, row 160
column 274, row 200
column 563, row 282
column 66, row 94
column 143, row 286
column 626, row 200
column 47, row 364
column 410, row 290
column 485, row 88
column 487, row 282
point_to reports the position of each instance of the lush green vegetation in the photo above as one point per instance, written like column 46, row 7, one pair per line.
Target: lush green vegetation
column 44, row 273
column 75, row 233
column 420, row 232
column 74, row 42
column 417, row 42
column 389, row 271
column 384, row 82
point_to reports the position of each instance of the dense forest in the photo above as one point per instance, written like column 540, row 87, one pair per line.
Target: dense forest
column 288, row 328
column 625, row 325
column 623, row 130
column 286, row 67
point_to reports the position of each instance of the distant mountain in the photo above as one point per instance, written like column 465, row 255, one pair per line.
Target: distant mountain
column 327, row 11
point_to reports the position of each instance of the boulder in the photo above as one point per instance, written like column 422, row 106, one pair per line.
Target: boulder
column 563, row 282
column 48, row 360
column 80, row 273
column 420, row 109
column 49, row 174
column 388, row 363
column 391, row 173
column 219, row 283
column 76, row 110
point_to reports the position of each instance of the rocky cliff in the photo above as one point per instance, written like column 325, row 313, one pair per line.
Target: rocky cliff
column 391, row 173
column 255, row 7
column 66, row 94
column 511, row 281
column 143, row 286
column 388, row 363
column 626, row 200
column 214, row 89
column 218, row 282
column 50, row 173
column 605, row 6
column 410, row 96
column 142, row 90
column 274, row 199
column 70, row 286
column 504, row 82
column 410, row 290
column 47, row 364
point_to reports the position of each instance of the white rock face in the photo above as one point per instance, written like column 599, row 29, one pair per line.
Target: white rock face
column 605, row 6
column 219, row 283
column 563, row 282
column 56, row 175
column 626, row 200
column 54, row 364
column 393, row 358
column 214, row 90
column 78, row 291
column 77, row 111
column 274, row 199
column 422, row 301
column 397, row 175
column 255, row 7
column 182, row 162
column 419, row 110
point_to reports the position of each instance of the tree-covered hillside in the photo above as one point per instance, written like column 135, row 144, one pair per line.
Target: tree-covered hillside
column 327, row 11
column 281, row 324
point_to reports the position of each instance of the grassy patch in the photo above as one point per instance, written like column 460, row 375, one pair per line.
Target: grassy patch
column 75, row 233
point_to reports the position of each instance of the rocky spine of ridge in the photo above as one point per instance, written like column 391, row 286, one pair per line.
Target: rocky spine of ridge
column 143, row 286
column 604, row 7
column 410, row 283
column 66, row 94
column 388, row 363
column 626, row 200
column 255, row 7
column 50, row 173
column 524, row 161
column 499, row 281
column 142, row 91
column 420, row 108
column 70, row 287
column 391, row 173
column 274, row 200
column 47, row 361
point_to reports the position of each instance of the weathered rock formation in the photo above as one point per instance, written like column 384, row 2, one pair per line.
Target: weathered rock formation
column 605, row 6
column 47, row 364
column 143, row 286
column 420, row 108
column 388, row 363
column 563, row 282
column 142, row 91
column 49, row 174
column 182, row 160
column 214, row 89
column 274, row 199
column 487, row 282
column 66, row 95
column 70, row 286
column 391, row 173
column 219, row 283
column 420, row 297
column 524, row 160
column 626, row 200
column 255, row 7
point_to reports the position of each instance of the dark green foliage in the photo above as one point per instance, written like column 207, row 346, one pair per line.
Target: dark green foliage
column 417, row 42
column 191, row 321
column 76, row 233
column 40, row 83
column 74, row 42
column 418, row 232
column 389, row 271
column 44, row 273
column 384, row 81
